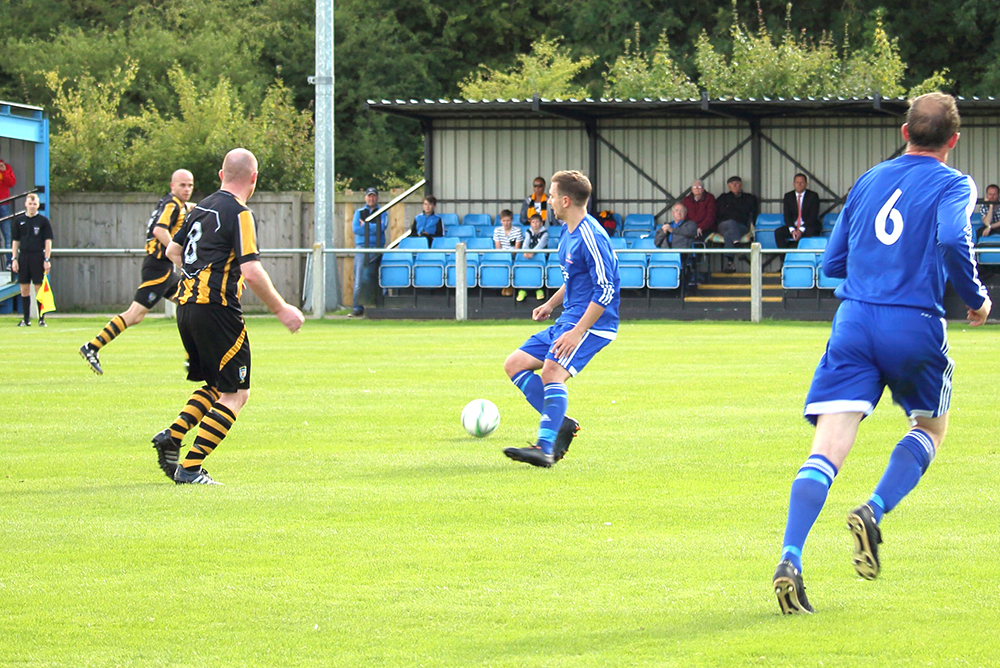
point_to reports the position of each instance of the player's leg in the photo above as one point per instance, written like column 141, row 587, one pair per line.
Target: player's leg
column 845, row 387
column 835, row 434
column 157, row 282
column 168, row 441
column 914, row 356
column 214, row 427
column 221, row 343
column 520, row 367
column 25, row 302
column 554, row 405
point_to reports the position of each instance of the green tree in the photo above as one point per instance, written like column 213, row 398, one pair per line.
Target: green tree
column 547, row 71
column 100, row 146
column 636, row 75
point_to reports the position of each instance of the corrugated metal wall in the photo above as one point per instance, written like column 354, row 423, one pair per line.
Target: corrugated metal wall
column 493, row 162
column 673, row 153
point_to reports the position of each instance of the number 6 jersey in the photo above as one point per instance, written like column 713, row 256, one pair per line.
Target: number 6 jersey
column 903, row 232
column 217, row 237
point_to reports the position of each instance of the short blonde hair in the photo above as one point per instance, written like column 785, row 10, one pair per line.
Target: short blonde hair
column 32, row 196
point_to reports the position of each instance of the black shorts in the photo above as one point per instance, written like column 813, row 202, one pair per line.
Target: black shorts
column 217, row 345
column 158, row 281
column 30, row 267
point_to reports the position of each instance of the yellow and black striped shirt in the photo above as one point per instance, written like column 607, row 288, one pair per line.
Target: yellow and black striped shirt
column 168, row 214
column 217, row 237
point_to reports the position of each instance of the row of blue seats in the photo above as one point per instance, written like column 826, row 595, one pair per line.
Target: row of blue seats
column 659, row 270
column 804, row 271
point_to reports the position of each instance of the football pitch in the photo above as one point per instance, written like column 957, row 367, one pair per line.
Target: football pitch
column 358, row 525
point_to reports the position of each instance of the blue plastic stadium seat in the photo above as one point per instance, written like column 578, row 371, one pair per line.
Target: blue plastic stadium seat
column 478, row 219
column 528, row 276
column 991, row 256
column 461, row 231
column 449, row 219
column 428, row 270
column 618, row 243
column 976, row 220
column 396, row 269
column 824, row 282
column 644, row 222
column 553, row 275
column 664, row 272
column 798, row 272
column 556, row 231
column 829, row 221
column 769, row 221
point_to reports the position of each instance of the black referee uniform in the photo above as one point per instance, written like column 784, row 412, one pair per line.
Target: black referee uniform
column 31, row 233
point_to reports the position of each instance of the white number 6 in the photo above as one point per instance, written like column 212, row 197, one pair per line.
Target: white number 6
column 886, row 237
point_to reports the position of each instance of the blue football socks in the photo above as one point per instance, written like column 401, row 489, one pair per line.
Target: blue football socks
column 908, row 462
column 531, row 386
column 809, row 490
column 553, row 412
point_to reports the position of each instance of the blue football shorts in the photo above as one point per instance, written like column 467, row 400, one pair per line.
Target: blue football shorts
column 539, row 346
column 873, row 346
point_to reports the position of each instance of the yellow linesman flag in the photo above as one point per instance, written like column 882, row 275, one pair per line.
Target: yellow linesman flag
column 46, row 302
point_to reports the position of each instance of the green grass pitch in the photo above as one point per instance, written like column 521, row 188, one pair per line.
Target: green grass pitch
column 358, row 524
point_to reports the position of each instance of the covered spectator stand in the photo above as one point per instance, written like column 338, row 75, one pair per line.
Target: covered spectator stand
column 642, row 155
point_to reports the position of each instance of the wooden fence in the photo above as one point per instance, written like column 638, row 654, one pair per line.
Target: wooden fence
column 118, row 221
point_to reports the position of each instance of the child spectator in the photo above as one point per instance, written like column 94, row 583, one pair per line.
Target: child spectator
column 507, row 237
column 428, row 224
column 538, row 237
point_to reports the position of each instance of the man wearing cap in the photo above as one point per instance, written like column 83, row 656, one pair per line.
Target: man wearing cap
column 367, row 235
column 736, row 211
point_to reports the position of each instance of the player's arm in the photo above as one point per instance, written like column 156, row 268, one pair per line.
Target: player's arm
column 14, row 245
column 542, row 312
column 835, row 255
column 46, row 259
column 173, row 253
column 162, row 235
column 256, row 277
column 954, row 235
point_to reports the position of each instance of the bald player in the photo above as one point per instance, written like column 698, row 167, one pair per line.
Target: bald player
column 216, row 248
column 158, row 277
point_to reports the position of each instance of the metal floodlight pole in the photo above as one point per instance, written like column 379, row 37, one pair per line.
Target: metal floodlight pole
column 325, row 229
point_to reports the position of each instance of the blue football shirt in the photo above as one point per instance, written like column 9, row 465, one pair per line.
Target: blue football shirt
column 590, row 274
column 903, row 232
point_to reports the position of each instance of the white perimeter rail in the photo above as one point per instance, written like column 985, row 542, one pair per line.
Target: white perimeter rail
column 754, row 254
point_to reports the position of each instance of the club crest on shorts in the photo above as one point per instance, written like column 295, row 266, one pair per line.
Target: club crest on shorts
column 243, row 373
column 152, row 296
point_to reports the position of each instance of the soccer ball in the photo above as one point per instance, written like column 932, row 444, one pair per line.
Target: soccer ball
column 480, row 417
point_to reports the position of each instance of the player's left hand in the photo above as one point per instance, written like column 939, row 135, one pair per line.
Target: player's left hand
column 291, row 317
column 978, row 316
column 566, row 343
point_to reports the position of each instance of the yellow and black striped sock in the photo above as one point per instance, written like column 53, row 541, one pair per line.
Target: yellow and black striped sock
column 213, row 428
column 197, row 407
column 114, row 327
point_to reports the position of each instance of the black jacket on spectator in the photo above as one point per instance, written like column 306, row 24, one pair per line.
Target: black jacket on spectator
column 742, row 209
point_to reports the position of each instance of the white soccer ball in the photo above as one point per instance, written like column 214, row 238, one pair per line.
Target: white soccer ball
column 480, row 417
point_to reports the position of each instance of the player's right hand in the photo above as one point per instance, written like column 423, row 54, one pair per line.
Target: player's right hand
column 541, row 312
column 978, row 316
column 291, row 318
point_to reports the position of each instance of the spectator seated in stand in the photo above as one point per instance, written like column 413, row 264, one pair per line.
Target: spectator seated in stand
column 801, row 210
column 536, row 202
column 701, row 208
column 680, row 232
column 990, row 211
column 507, row 236
column 428, row 224
column 735, row 210
column 537, row 238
